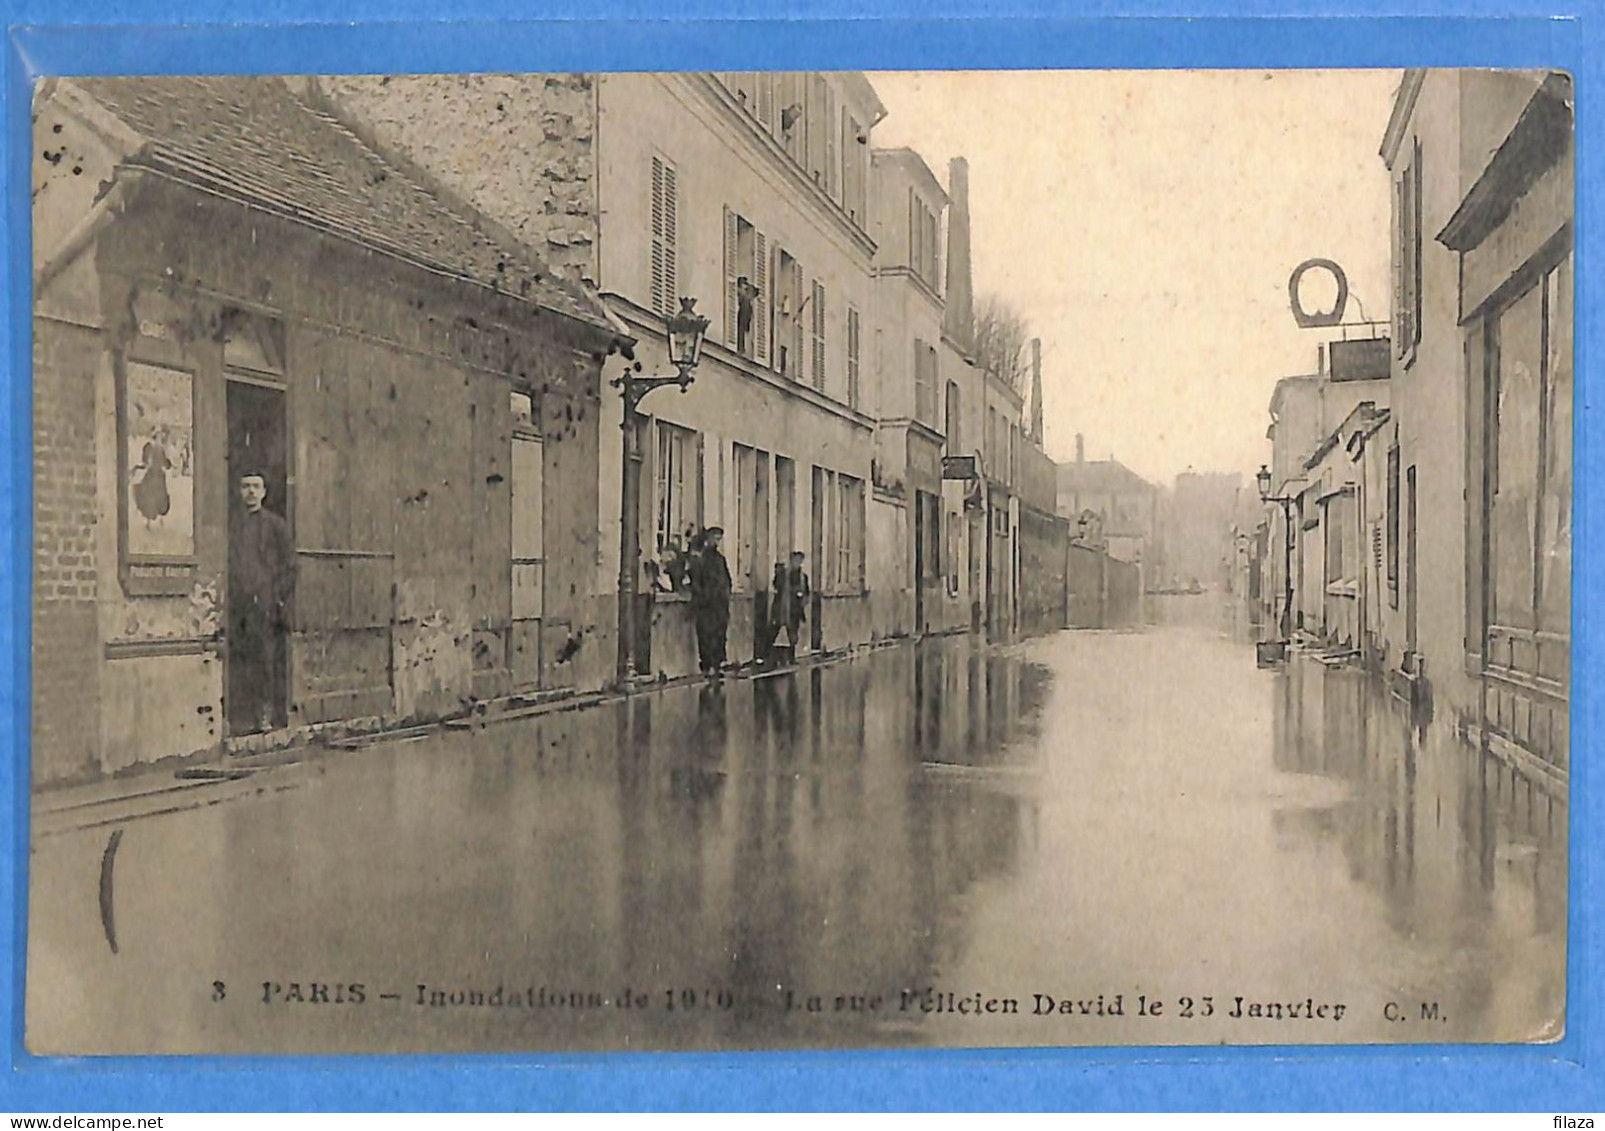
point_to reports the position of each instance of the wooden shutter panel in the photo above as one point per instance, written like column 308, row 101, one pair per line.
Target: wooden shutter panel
column 914, row 233
column 1415, row 251
column 849, row 203
column 732, row 305
column 1398, row 265
column 819, row 334
column 658, row 259
column 796, row 329
column 760, row 302
column 853, row 333
column 832, row 169
column 671, row 238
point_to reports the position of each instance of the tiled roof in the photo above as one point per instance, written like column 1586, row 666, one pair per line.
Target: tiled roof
column 252, row 139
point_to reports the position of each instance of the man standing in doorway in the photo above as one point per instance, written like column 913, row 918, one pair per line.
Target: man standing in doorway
column 261, row 562
column 710, row 602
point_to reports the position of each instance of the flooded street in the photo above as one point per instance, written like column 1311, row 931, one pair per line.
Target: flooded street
column 1087, row 838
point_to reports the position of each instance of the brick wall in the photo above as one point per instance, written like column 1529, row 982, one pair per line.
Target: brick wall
column 66, row 664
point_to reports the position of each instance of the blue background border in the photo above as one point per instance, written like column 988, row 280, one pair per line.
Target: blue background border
column 285, row 36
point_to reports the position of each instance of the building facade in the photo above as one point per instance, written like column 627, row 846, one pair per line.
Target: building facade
column 1457, row 453
column 418, row 397
column 835, row 382
column 1483, row 173
column 1307, row 414
column 909, row 549
column 1116, row 508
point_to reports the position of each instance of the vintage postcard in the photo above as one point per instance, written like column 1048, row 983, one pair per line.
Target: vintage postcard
column 751, row 560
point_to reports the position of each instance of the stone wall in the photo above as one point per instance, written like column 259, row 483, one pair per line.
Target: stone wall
column 519, row 148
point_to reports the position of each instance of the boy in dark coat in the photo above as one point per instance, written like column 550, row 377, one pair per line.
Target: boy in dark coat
column 710, row 602
column 791, row 601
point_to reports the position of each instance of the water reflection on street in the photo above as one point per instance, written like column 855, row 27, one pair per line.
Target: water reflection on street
column 864, row 853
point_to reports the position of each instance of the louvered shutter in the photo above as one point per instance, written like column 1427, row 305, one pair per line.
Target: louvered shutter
column 671, row 239
column 1415, row 247
column 760, row 301
column 732, row 302
column 819, row 335
column 1398, row 266
column 913, row 233
column 832, row 169
column 658, row 284
column 853, row 333
column 796, row 329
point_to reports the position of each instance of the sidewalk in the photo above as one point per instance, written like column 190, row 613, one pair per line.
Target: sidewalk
column 176, row 784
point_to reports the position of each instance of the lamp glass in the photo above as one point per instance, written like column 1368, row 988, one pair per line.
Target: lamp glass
column 1263, row 478
column 686, row 332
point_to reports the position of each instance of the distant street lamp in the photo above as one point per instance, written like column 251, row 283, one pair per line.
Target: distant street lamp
column 687, row 329
column 1263, row 478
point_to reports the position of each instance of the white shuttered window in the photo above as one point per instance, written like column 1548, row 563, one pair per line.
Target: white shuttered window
column 665, row 221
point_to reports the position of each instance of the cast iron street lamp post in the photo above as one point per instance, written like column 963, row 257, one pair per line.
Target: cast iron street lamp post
column 1263, row 477
column 686, row 331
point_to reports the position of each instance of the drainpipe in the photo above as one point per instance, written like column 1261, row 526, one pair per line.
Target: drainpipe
column 104, row 211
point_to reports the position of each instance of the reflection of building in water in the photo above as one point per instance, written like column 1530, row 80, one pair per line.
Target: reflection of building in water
column 973, row 708
column 836, row 858
column 1431, row 532
column 1433, row 826
column 780, row 832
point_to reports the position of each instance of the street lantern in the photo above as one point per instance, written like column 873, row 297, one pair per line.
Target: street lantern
column 685, row 332
column 687, row 329
column 1263, row 478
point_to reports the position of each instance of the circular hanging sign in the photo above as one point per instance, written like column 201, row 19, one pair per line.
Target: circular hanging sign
column 1308, row 319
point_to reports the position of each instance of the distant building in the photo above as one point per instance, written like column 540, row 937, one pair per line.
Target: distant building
column 1198, row 516
column 1305, row 411
column 1125, row 505
column 1339, row 576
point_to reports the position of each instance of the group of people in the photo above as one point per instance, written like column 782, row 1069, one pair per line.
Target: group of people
column 703, row 572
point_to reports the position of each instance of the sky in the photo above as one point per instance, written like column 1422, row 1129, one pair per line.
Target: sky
column 1145, row 224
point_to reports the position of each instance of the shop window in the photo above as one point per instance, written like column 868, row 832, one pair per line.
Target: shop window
column 1530, row 426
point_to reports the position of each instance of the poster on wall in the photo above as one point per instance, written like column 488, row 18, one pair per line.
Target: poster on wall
column 159, row 476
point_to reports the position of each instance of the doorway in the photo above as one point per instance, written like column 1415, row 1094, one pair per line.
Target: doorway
column 528, row 558
column 256, row 660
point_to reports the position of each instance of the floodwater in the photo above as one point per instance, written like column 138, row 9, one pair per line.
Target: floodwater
column 1090, row 838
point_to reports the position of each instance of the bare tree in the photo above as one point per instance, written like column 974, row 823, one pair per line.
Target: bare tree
column 1000, row 336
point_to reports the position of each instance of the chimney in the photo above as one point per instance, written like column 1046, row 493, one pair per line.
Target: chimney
column 1081, row 448
column 958, row 320
column 1036, row 391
